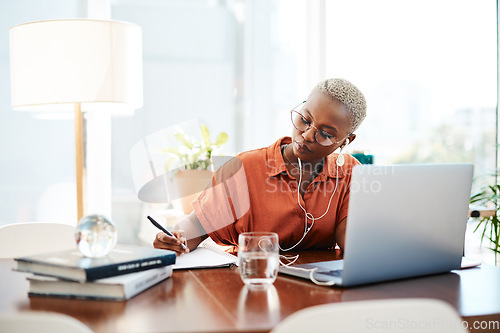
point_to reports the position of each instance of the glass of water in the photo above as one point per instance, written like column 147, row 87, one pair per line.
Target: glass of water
column 258, row 257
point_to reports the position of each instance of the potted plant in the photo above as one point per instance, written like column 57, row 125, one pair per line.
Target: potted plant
column 193, row 158
column 488, row 196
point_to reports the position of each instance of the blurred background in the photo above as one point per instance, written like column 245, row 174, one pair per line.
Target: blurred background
column 428, row 69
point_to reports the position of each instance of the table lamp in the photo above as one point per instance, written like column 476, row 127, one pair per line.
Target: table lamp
column 76, row 65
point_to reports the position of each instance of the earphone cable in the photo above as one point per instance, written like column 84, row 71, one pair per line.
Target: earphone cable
column 309, row 215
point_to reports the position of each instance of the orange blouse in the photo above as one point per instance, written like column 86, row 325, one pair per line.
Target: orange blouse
column 255, row 192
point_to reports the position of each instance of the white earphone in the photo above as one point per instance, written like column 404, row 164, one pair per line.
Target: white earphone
column 340, row 158
column 340, row 162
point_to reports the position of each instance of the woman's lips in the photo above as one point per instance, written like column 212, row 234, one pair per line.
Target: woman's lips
column 302, row 147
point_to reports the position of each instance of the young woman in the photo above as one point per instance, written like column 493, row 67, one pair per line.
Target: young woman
column 297, row 187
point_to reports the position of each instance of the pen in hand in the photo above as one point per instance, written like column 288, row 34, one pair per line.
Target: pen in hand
column 159, row 226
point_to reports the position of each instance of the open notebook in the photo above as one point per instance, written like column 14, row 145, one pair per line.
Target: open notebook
column 208, row 254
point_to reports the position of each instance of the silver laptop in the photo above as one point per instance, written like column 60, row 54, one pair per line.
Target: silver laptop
column 404, row 221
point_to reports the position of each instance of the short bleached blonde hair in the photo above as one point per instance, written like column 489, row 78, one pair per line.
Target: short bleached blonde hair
column 349, row 95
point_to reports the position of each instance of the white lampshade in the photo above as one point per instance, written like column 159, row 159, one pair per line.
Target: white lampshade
column 79, row 65
column 57, row 63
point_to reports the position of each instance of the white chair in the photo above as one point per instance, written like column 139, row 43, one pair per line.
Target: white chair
column 22, row 239
column 392, row 315
column 43, row 322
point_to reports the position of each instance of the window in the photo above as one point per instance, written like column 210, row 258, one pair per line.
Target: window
column 37, row 167
column 428, row 70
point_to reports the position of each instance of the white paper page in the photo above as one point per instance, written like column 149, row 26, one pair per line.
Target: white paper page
column 202, row 258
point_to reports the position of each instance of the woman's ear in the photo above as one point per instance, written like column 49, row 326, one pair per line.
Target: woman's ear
column 350, row 139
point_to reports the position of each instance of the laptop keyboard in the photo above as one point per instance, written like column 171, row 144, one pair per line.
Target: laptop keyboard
column 335, row 273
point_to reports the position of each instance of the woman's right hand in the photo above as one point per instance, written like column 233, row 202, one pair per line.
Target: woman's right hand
column 166, row 242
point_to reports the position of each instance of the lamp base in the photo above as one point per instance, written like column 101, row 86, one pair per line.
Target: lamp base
column 79, row 157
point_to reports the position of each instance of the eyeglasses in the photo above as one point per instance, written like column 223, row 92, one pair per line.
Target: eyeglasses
column 302, row 125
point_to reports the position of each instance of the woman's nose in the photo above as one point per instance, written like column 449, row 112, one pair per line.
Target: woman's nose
column 309, row 134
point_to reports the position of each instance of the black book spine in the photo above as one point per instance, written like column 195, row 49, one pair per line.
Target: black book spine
column 129, row 267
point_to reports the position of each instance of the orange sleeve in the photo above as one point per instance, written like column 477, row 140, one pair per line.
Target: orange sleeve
column 224, row 202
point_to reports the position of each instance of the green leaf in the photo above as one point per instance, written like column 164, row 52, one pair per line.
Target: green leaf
column 221, row 139
column 170, row 163
column 496, row 250
column 183, row 139
column 205, row 135
column 478, row 197
column 478, row 225
column 196, row 155
column 169, row 150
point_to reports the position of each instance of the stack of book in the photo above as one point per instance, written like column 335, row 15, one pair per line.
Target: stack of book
column 126, row 271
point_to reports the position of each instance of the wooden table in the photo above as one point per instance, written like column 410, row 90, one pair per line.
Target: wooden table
column 215, row 300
